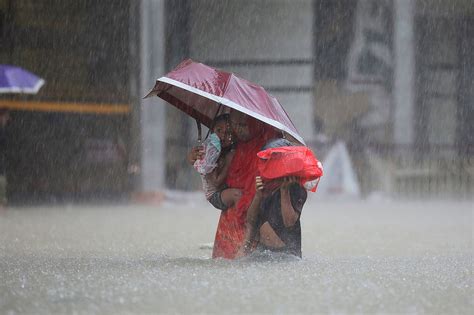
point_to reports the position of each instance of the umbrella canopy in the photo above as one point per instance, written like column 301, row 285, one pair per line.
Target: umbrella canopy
column 17, row 80
column 200, row 90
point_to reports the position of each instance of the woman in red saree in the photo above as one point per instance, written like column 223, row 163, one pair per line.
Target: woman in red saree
column 251, row 135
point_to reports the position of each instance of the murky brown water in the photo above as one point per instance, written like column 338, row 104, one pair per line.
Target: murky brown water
column 358, row 257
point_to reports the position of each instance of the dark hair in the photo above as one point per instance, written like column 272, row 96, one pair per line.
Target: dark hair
column 221, row 117
column 276, row 143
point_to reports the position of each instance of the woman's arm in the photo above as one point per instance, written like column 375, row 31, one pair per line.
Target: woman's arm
column 251, row 219
column 289, row 214
column 220, row 177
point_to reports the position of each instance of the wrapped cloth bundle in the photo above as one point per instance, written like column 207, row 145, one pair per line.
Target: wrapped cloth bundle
column 285, row 161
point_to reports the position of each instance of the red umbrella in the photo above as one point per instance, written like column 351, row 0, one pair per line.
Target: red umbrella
column 200, row 91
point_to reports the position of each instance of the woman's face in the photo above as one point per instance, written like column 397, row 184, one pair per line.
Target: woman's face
column 239, row 125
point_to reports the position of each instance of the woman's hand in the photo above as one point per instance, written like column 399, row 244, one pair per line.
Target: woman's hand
column 259, row 185
column 196, row 153
column 287, row 181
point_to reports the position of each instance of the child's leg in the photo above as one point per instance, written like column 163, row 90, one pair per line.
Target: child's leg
column 230, row 196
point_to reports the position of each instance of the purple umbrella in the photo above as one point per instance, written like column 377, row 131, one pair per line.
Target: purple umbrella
column 17, row 80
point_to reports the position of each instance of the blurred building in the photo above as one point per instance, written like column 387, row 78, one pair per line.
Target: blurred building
column 392, row 78
column 71, row 140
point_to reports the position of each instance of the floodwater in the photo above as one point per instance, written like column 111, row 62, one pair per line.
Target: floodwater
column 358, row 257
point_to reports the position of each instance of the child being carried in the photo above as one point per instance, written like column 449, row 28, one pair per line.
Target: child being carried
column 214, row 166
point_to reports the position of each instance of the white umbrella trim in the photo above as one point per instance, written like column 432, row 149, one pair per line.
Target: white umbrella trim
column 233, row 105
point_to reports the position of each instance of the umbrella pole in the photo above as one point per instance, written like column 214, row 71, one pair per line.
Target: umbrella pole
column 199, row 132
column 213, row 120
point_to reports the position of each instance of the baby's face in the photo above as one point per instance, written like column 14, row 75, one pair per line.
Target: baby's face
column 221, row 130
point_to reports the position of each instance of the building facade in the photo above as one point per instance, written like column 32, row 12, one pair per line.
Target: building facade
column 71, row 140
column 391, row 78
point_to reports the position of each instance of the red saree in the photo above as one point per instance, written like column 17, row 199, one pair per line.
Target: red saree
column 242, row 172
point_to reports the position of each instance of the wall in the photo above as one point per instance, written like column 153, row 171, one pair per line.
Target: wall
column 266, row 42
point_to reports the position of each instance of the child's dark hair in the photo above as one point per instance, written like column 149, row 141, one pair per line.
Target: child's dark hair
column 221, row 117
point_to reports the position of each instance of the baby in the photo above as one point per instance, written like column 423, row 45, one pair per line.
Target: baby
column 214, row 166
